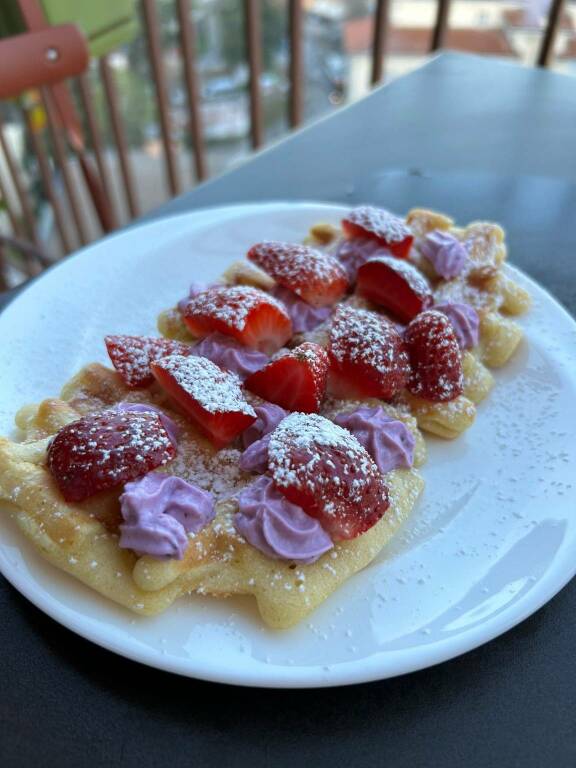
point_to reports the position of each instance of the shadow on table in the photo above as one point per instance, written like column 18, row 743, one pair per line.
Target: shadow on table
column 171, row 696
column 272, row 721
column 463, row 709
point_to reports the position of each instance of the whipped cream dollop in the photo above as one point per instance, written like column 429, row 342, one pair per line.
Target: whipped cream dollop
column 388, row 440
column 255, row 457
column 278, row 528
column 353, row 252
column 304, row 316
column 159, row 511
column 230, row 354
column 445, row 252
column 465, row 322
column 268, row 416
column 169, row 425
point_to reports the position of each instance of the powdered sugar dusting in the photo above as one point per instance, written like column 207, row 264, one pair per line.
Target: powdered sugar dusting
column 305, row 368
column 216, row 471
column 379, row 223
column 407, row 272
column 293, row 265
column 315, row 277
column 315, row 358
column 217, row 391
column 363, row 337
column 460, row 291
column 101, row 451
column 230, row 305
column 435, row 358
column 308, row 436
column 132, row 355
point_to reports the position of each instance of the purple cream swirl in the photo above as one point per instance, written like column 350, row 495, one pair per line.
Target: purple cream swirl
column 159, row 511
column 353, row 252
column 277, row 527
column 304, row 316
column 387, row 440
column 230, row 354
column 255, row 457
column 446, row 253
column 465, row 322
column 170, row 426
column 268, row 416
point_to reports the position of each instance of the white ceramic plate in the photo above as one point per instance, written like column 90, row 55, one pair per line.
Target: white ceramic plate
column 493, row 538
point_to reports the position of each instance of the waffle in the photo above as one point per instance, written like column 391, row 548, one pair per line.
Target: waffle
column 494, row 295
column 82, row 539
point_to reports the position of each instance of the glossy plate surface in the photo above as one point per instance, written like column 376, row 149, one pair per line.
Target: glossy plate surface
column 492, row 539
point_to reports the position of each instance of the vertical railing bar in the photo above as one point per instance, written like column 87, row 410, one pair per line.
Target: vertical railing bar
column 252, row 25
column 119, row 136
column 295, row 31
column 30, row 250
column 381, row 20
column 13, row 218
column 152, row 25
column 3, row 279
column 46, row 174
column 547, row 46
column 25, row 206
column 441, row 26
column 62, row 163
column 32, row 257
column 187, row 40
column 96, row 141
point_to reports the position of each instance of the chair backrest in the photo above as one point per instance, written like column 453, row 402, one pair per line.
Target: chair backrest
column 109, row 114
column 106, row 24
column 42, row 58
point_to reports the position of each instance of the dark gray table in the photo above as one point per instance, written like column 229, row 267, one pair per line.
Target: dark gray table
column 476, row 139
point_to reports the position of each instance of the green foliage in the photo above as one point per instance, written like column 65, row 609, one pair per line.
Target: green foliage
column 233, row 33
column 10, row 19
column 135, row 85
column 359, row 8
column 274, row 31
column 137, row 106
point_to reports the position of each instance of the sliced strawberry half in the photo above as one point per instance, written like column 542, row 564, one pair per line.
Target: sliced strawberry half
column 100, row 452
column 316, row 277
column 395, row 285
column 132, row 355
column 249, row 315
column 211, row 397
column 378, row 224
column 368, row 357
column 323, row 468
column 435, row 358
column 295, row 379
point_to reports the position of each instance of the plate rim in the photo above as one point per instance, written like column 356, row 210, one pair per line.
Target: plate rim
column 378, row 666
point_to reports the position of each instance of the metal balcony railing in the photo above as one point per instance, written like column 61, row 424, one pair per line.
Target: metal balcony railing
column 51, row 147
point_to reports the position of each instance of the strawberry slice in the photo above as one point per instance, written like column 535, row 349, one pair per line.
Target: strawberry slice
column 322, row 468
column 368, row 357
column 435, row 358
column 100, row 452
column 395, row 285
column 211, row 397
column 316, row 277
column 132, row 355
column 247, row 314
column 295, row 379
column 378, row 224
